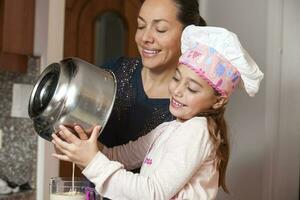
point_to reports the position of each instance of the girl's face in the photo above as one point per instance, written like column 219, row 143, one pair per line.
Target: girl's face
column 190, row 94
column 158, row 34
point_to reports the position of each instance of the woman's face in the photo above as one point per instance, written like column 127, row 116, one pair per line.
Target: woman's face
column 190, row 94
column 158, row 34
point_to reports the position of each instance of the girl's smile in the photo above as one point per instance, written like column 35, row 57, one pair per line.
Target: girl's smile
column 176, row 104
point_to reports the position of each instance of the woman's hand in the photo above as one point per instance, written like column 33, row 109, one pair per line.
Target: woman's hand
column 80, row 151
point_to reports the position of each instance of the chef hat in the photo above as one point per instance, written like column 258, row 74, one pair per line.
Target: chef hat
column 217, row 56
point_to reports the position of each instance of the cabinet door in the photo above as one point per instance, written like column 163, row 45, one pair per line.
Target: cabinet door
column 96, row 30
column 16, row 33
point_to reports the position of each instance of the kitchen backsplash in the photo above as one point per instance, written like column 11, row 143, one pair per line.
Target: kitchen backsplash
column 18, row 151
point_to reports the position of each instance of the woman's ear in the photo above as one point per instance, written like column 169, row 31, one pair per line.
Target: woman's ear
column 221, row 101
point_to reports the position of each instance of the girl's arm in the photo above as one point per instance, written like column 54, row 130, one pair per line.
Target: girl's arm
column 132, row 154
column 183, row 153
column 81, row 150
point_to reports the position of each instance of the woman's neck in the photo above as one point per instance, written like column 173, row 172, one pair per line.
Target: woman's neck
column 156, row 82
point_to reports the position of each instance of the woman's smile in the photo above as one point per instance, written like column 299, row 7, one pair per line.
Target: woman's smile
column 147, row 52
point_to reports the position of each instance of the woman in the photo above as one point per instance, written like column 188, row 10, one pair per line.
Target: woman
column 142, row 98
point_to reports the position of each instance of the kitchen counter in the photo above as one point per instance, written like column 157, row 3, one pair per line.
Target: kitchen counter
column 25, row 195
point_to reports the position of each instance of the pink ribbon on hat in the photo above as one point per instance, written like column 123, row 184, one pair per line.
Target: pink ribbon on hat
column 212, row 67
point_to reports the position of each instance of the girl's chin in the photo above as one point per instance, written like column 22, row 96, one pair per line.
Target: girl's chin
column 177, row 115
column 174, row 113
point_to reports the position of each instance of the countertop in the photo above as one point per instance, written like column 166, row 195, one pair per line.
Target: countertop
column 25, row 195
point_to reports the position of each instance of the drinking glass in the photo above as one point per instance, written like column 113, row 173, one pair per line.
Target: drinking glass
column 63, row 188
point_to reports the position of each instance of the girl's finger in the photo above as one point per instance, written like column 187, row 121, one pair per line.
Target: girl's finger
column 90, row 130
column 82, row 135
column 68, row 135
column 95, row 133
column 58, row 148
column 61, row 157
column 61, row 135
column 59, row 143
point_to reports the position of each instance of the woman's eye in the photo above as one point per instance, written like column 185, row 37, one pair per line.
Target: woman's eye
column 175, row 78
column 161, row 31
column 140, row 25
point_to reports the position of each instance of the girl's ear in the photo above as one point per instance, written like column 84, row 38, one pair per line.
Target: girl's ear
column 221, row 101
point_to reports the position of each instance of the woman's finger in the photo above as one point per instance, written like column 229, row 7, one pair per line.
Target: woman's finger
column 68, row 135
column 82, row 135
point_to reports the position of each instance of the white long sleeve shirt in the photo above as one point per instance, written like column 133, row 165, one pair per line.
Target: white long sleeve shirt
column 177, row 159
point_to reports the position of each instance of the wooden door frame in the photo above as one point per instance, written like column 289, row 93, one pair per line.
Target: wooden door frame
column 48, row 43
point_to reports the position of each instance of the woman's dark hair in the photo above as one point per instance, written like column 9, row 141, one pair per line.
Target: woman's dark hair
column 189, row 13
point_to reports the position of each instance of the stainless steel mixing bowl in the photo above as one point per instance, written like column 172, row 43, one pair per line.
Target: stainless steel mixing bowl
column 71, row 91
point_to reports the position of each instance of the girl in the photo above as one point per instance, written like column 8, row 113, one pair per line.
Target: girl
column 185, row 158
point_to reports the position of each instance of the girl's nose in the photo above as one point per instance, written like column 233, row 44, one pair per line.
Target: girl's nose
column 148, row 36
column 179, row 90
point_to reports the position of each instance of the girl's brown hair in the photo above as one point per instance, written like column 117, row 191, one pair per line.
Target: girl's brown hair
column 217, row 128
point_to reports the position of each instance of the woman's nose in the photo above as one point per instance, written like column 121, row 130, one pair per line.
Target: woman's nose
column 148, row 36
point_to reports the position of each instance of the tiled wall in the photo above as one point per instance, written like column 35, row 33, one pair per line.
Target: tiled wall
column 19, row 141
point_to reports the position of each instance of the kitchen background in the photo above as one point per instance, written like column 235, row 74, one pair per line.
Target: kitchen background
column 265, row 130
column 18, row 152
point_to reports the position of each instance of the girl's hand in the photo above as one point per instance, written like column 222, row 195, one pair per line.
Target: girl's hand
column 84, row 135
column 79, row 151
column 81, row 134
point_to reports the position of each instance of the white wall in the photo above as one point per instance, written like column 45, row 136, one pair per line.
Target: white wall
column 245, row 115
column 287, row 159
column 264, row 130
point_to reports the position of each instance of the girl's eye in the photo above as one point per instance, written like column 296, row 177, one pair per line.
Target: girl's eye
column 140, row 27
column 192, row 90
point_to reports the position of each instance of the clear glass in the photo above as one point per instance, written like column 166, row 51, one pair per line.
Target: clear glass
column 63, row 188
